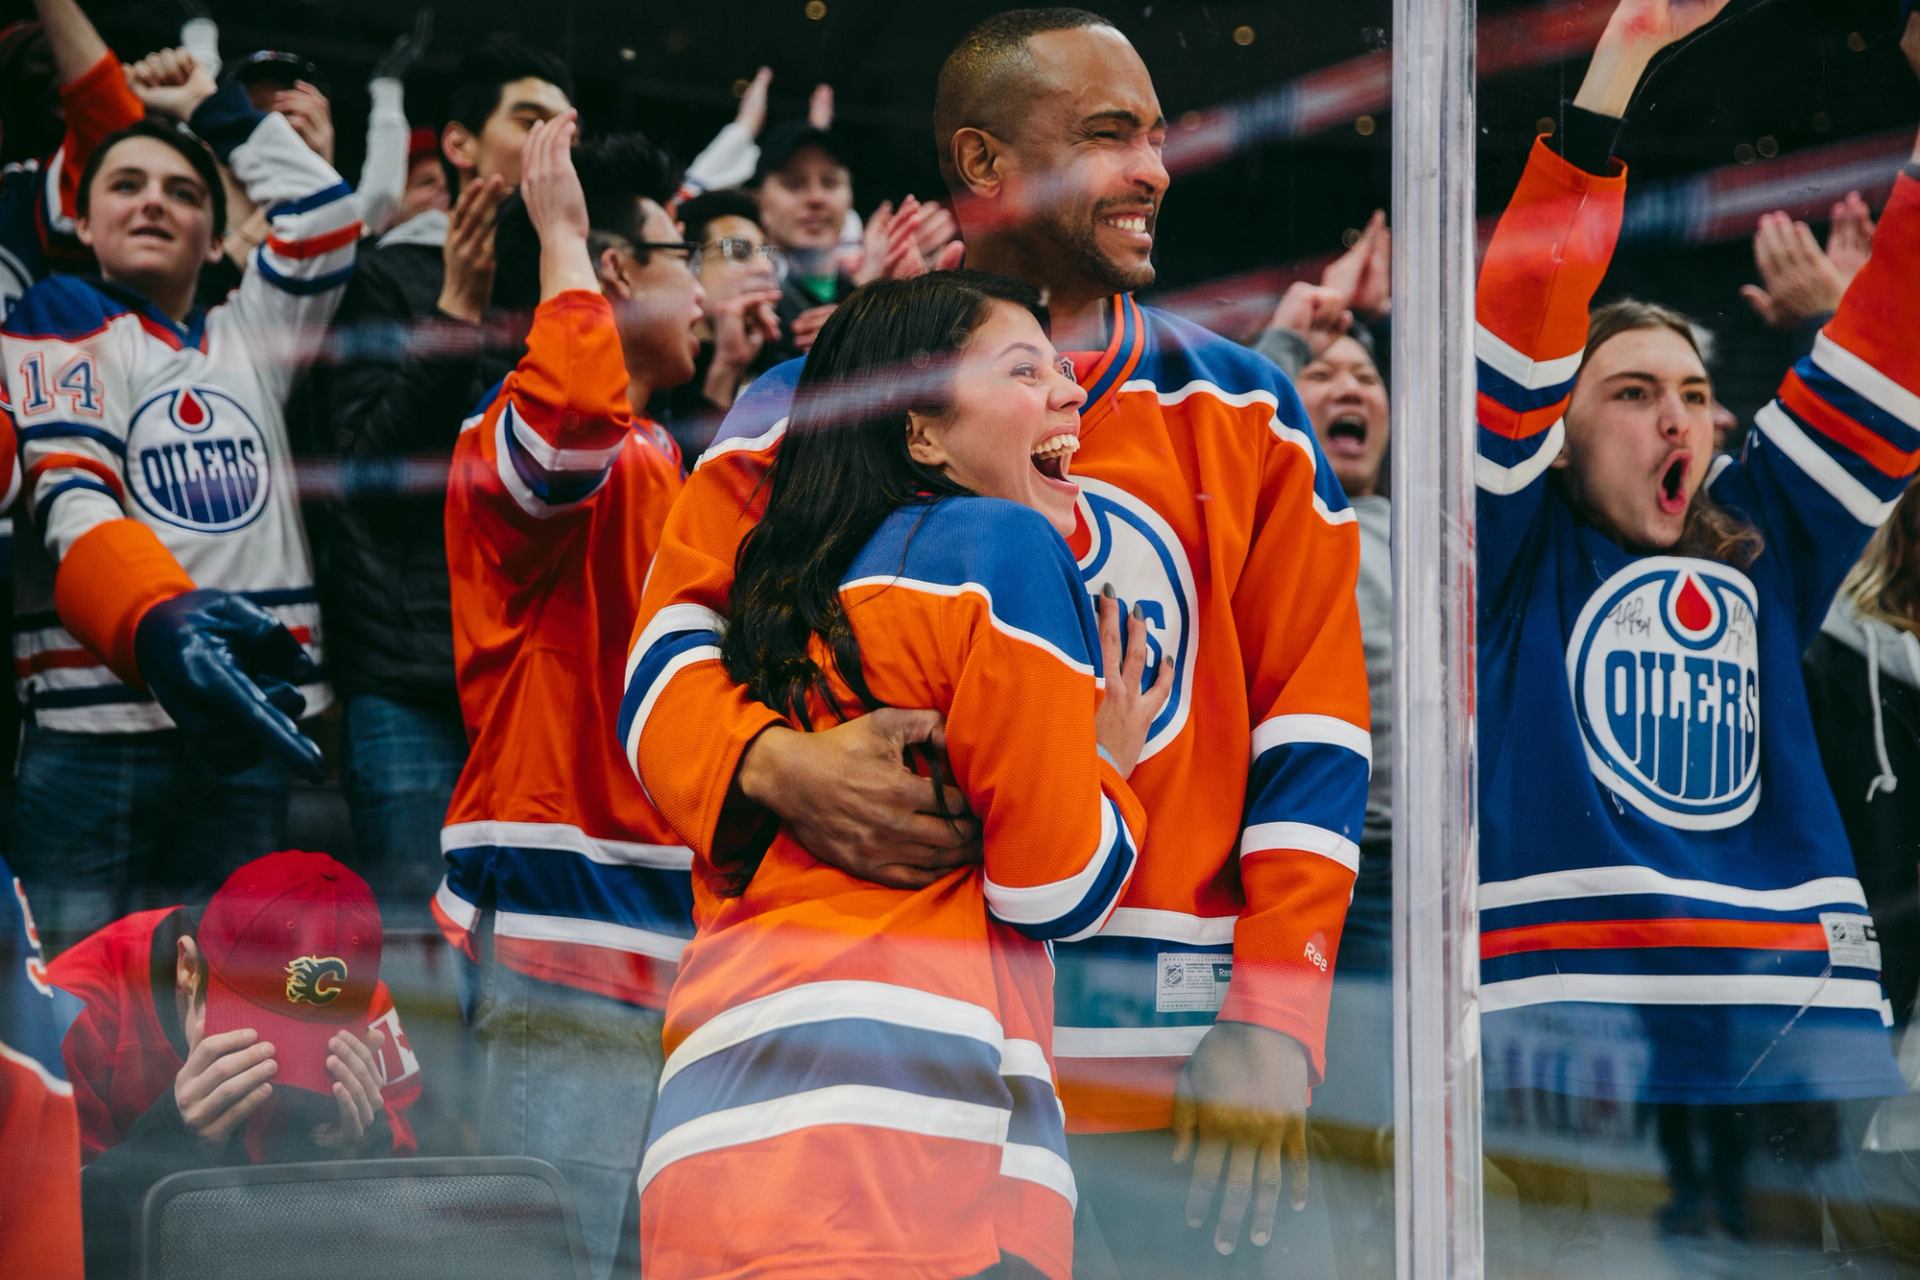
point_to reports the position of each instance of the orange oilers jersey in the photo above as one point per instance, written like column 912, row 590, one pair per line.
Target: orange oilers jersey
column 1206, row 500
column 872, row 1062
column 554, row 506
column 40, row 1196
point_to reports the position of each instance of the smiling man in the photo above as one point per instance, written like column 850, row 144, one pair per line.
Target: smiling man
column 1207, row 504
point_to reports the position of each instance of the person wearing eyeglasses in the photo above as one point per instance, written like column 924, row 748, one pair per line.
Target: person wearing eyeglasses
column 563, row 883
column 740, row 273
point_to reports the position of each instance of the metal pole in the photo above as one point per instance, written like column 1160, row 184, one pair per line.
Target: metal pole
column 1436, row 950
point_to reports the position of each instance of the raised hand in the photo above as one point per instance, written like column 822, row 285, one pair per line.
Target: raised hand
column 752, row 115
column 1316, row 312
column 1637, row 31
column 820, row 107
column 171, row 82
column 468, row 252
column 404, row 52
column 1797, row 281
column 310, row 114
column 1850, row 236
column 1363, row 274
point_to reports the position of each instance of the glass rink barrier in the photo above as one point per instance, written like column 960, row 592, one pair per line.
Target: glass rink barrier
column 847, row 640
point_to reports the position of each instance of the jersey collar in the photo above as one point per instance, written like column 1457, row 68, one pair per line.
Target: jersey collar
column 1102, row 373
column 157, row 322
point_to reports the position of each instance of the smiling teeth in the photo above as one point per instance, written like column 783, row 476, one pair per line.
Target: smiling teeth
column 1064, row 443
column 1137, row 224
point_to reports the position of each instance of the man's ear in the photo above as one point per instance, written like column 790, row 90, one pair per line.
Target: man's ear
column 458, row 145
column 978, row 161
column 214, row 250
column 611, row 268
column 83, row 230
column 189, row 971
column 923, row 443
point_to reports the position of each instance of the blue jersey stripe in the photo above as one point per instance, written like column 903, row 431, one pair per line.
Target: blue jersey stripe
column 1117, row 865
column 45, row 499
column 1637, row 906
column 652, row 664
column 1509, row 394
column 821, row 1055
column 301, row 286
column 1901, row 435
column 1036, row 1115
column 1312, row 782
column 1873, row 478
column 307, row 204
column 561, row 883
column 1634, row 961
column 73, row 431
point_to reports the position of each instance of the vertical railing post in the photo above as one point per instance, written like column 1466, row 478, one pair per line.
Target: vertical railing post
column 1436, row 948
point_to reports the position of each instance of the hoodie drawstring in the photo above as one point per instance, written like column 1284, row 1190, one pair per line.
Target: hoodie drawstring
column 1886, row 781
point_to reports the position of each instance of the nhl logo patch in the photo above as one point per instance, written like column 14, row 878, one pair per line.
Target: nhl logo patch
column 197, row 460
column 1664, row 668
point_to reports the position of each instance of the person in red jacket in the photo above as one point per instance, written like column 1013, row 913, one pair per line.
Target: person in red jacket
column 255, row 1030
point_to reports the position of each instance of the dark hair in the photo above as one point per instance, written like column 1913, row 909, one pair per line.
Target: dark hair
column 841, row 469
column 976, row 81
column 181, row 139
column 483, row 75
column 616, row 171
column 703, row 210
column 1711, row 531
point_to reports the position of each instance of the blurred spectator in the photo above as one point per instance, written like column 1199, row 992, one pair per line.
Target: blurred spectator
column 1863, row 680
column 40, row 1196
column 414, row 361
column 563, row 882
column 256, row 1029
column 169, row 541
column 1801, row 283
column 805, row 189
column 742, row 288
column 426, row 176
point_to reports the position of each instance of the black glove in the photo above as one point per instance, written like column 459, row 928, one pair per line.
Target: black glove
column 404, row 52
column 227, row 671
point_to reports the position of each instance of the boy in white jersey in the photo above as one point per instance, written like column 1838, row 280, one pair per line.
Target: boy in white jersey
column 157, row 480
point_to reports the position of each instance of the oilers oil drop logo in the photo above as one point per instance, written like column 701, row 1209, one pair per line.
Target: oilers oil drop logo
column 1664, row 666
column 315, row 979
column 1119, row 540
column 197, row 460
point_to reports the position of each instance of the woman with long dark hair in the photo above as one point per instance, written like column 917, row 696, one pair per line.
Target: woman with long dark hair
column 875, row 1061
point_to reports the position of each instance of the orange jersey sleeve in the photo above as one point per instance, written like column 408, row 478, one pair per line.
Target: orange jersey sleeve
column 1298, row 622
column 98, row 104
column 684, row 723
column 526, row 464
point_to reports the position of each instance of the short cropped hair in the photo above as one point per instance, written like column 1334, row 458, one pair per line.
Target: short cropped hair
column 972, row 91
column 616, row 171
column 181, row 139
column 484, row 74
column 707, row 208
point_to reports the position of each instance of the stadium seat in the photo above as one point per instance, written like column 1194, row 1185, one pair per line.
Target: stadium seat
column 462, row 1218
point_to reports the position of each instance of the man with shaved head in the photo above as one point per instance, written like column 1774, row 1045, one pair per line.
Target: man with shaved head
column 1191, row 1024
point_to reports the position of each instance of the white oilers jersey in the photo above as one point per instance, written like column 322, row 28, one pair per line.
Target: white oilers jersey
column 124, row 413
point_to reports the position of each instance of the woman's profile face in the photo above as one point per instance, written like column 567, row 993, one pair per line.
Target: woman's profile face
column 1013, row 424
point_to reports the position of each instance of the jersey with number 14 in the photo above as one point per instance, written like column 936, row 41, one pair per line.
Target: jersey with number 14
column 125, row 414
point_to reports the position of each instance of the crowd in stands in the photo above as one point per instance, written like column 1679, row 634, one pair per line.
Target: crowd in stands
column 879, row 739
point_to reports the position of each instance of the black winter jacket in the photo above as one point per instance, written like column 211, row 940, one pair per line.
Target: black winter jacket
column 406, row 377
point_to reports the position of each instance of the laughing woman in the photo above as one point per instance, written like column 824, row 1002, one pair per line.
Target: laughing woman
column 871, row 1062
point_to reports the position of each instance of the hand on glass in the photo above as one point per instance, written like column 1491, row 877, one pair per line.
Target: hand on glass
column 1240, row 1114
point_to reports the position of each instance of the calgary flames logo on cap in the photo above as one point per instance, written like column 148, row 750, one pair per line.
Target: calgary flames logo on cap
column 315, row 979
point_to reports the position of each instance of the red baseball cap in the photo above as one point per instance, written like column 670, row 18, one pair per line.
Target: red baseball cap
column 422, row 143
column 292, row 948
